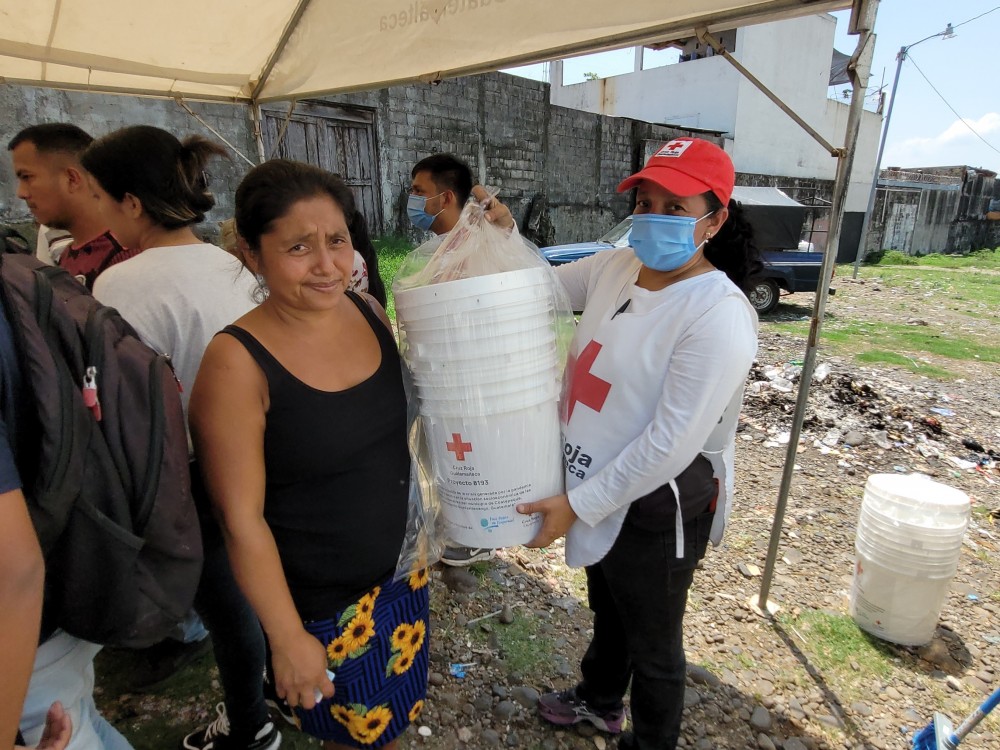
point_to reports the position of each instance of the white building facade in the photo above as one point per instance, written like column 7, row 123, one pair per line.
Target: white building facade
column 704, row 91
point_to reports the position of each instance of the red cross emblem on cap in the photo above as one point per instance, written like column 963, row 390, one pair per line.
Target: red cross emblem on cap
column 674, row 148
column 457, row 447
column 587, row 388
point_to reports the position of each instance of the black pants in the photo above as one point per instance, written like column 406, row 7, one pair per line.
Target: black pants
column 638, row 593
column 237, row 637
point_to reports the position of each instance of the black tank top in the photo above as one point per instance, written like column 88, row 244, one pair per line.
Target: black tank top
column 338, row 473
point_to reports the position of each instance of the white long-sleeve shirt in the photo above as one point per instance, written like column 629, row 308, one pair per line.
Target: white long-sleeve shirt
column 647, row 390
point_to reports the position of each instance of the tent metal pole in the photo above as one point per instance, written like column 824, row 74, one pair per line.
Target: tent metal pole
column 279, row 49
column 183, row 105
column 858, row 69
column 257, row 125
column 721, row 50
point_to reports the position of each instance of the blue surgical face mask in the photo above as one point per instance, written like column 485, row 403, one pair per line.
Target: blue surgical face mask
column 663, row 242
column 416, row 209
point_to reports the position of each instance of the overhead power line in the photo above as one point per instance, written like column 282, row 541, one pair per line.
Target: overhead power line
column 941, row 96
column 955, row 26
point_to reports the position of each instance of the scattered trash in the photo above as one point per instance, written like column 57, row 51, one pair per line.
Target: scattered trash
column 933, row 424
column 458, row 670
column 782, row 385
column 962, row 463
column 973, row 445
column 941, row 411
column 821, row 373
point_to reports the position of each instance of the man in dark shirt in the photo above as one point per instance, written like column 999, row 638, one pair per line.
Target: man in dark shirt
column 51, row 181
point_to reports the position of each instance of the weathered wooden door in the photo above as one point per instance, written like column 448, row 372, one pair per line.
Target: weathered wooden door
column 335, row 137
column 899, row 227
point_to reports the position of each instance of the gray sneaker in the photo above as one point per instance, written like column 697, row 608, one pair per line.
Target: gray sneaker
column 460, row 557
column 567, row 708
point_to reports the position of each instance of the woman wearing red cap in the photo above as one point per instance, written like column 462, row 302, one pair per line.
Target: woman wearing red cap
column 654, row 387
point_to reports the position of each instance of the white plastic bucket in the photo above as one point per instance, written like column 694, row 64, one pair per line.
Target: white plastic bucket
column 908, row 543
column 483, row 316
column 452, row 392
column 530, row 285
column 895, row 605
column 474, row 404
column 484, row 466
column 482, row 364
column 474, row 330
column 483, row 347
column 469, row 379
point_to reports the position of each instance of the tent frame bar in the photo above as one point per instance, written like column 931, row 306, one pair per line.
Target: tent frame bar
column 863, row 20
column 183, row 105
column 720, row 49
column 290, row 28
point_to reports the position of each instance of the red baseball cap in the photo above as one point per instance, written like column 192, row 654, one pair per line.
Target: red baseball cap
column 688, row 166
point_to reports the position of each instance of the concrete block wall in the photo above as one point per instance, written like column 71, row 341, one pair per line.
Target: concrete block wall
column 557, row 168
column 100, row 114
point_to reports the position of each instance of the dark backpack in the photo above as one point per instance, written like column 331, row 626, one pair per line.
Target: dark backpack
column 12, row 241
column 110, row 496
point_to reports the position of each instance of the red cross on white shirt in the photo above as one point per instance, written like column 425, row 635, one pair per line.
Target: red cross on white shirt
column 587, row 388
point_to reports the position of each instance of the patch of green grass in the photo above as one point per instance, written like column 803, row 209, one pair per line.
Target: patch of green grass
column 981, row 513
column 832, row 642
column 876, row 356
column 898, row 344
column 391, row 251
column 949, row 284
column 523, row 650
column 739, row 542
column 896, row 258
column 150, row 719
column 984, row 258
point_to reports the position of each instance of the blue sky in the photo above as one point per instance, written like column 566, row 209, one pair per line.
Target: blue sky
column 924, row 132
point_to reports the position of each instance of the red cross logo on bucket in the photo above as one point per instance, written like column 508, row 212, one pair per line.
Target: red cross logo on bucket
column 457, row 447
column 587, row 388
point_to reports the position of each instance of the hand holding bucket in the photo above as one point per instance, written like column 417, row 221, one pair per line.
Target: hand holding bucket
column 557, row 517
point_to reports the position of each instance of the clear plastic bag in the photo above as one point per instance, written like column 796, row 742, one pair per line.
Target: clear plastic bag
column 424, row 540
column 484, row 329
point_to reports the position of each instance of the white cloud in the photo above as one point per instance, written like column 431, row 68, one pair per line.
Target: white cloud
column 956, row 144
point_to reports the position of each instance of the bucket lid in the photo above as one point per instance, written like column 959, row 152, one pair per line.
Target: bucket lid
column 916, row 490
column 474, row 287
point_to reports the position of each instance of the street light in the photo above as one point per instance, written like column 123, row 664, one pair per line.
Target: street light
column 948, row 33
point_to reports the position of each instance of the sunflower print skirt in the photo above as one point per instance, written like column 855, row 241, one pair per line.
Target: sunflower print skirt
column 378, row 649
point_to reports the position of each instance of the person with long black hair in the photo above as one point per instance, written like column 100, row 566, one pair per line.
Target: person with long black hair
column 153, row 190
column 653, row 392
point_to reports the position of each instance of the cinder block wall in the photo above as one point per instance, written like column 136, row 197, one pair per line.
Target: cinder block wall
column 99, row 114
column 557, row 168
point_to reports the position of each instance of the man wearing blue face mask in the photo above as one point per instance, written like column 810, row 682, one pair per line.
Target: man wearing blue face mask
column 441, row 184
column 439, row 188
column 655, row 382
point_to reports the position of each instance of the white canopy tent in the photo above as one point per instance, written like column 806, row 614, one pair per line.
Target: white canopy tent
column 255, row 51
column 268, row 50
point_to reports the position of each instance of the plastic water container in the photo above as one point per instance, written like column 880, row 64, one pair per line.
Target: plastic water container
column 908, row 543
